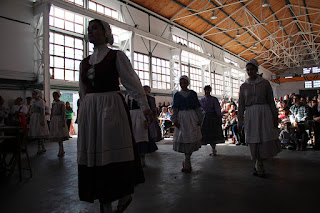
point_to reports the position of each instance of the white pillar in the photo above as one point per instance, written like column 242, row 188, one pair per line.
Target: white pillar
column 132, row 49
column 46, row 55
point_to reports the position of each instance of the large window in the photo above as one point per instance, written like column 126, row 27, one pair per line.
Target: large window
column 308, row 84
column 229, row 61
column 316, row 83
column 183, row 41
column 196, row 79
column 160, row 73
column 76, row 2
column 312, row 84
column 66, row 20
column 219, row 84
column 227, row 85
column 235, row 87
column 185, row 70
column 66, row 53
column 141, row 66
column 193, row 59
column 66, row 43
column 103, row 9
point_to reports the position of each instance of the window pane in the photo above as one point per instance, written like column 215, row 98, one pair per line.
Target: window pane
column 58, row 23
column 58, row 12
column 70, row 64
column 100, row 9
column 69, row 26
column 308, row 84
column 78, row 19
column 51, row 35
column 58, row 62
column 76, row 77
column 69, row 75
column 79, row 54
column 51, row 49
column 92, row 5
column 77, row 65
column 78, row 28
column 58, row 50
column 79, row 44
column 107, row 12
column 69, row 52
column 58, row 39
column 69, row 41
column 59, row 74
column 51, row 61
column 316, row 83
column 80, row 2
column 69, row 16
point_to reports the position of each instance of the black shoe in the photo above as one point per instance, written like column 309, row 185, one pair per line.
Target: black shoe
column 259, row 174
column 238, row 144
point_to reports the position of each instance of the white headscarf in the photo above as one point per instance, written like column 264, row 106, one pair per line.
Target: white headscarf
column 185, row 77
column 108, row 33
column 38, row 92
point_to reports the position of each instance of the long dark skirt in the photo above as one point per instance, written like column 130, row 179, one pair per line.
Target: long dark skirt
column 113, row 181
column 148, row 146
column 211, row 129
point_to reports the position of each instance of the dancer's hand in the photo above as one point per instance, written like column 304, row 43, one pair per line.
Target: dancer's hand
column 177, row 125
column 199, row 123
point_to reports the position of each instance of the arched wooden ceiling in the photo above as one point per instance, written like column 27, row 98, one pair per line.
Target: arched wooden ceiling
column 285, row 34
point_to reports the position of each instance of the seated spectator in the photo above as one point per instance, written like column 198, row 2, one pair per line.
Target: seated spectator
column 18, row 112
column 314, row 108
column 285, row 137
column 233, row 104
column 164, row 112
column 4, row 111
column 230, row 121
column 283, row 117
column 300, row 137
column 298, row 111
column 165, row 120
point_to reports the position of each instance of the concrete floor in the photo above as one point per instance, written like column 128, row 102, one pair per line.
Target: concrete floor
column 217, row 184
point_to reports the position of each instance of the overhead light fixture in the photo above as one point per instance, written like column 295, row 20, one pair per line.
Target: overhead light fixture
column 265, row 3
column 254, row 46
column 213, row 15
column 238, row 34
column 281, row 25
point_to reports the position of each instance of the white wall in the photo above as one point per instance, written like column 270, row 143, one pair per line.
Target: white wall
column 10, row 95
column 289, row 87
column 16, row 39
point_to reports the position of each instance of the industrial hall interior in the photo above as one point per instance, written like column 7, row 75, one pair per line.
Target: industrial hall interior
column 159, row 106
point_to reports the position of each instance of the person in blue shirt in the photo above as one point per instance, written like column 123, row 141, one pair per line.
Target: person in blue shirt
column 187, row 117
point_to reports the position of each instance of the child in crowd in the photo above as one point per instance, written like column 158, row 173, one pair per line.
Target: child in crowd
column 38, row 128
column 300, row 137
column 231, row 120
column 285, row 137
column 187, row 117
column 58, row 126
